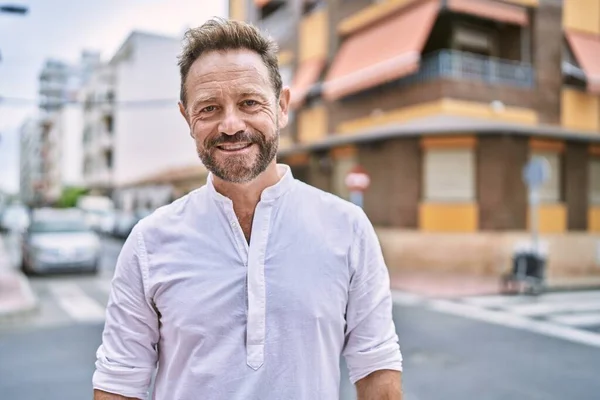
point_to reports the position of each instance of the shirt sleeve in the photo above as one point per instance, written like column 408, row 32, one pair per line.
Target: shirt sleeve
column 371, row 340
column 127, row 357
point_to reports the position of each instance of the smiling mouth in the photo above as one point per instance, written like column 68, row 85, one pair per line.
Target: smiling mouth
column 232, row 147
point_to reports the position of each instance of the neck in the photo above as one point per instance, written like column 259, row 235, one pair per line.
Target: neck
column 245, row 196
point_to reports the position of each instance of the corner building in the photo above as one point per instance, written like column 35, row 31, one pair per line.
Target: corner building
column 444, row 102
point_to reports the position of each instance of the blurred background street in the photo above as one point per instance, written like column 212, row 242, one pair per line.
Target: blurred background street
column 467, row 130
column 453, row 350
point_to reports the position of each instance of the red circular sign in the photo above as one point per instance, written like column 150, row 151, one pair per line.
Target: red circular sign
column 357, row 180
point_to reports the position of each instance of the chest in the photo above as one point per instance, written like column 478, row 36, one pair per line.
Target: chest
column 305, row 284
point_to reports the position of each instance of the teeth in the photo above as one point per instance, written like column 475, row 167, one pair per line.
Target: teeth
column 234, row 146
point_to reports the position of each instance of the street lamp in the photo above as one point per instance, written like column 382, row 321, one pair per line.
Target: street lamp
column 13, row 9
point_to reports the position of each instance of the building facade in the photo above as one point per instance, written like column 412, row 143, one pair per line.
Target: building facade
column 443, row 103
column 133, row 130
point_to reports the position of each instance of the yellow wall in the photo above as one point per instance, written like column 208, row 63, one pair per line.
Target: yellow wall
column 237, row 9
column 285, row 57
column 552, row 218
column 582, row 15
column 448, row 217
column 526, row 3
column 580, row 110
column 594, row 219
column 314, row 35
column 312, row 124
column 440, row 107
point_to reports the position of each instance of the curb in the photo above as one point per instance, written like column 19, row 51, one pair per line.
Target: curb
column 28, row 302
column 27, row 306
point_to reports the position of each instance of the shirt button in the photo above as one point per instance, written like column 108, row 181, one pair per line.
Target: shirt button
column 233, row 223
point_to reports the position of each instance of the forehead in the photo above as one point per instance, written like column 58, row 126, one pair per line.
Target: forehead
column 234, row 68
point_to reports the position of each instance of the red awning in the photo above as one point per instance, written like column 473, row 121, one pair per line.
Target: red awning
column 586, row 49
column 261, row 3
column 383, row 52
column 489, row 9
column 307, row 75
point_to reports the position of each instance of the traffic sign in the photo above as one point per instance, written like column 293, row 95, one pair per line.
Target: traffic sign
column 536, row 172
column 358, row 179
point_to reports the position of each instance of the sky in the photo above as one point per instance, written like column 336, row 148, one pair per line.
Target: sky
column 61, row 29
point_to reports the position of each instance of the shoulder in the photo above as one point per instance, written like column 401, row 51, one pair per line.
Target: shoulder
column 171, row 217
column 327, row 207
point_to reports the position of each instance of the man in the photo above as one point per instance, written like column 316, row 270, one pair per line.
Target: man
column 252, row 286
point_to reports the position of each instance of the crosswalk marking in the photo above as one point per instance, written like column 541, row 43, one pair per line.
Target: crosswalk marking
column 586, row 319
column 541, row 309
column 104, row 286
column 76, row 303
column 572, row 316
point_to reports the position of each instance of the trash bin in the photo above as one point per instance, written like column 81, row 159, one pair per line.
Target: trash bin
column 528, row 267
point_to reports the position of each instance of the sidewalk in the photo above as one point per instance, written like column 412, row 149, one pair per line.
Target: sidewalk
column 454, row 285
column 16, row 296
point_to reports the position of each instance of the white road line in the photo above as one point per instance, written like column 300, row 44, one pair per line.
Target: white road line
column 104, row 286
column 516, row 321
column 495, row 301
column 579, row 320
column 589, row 295
column 404, row 298
column 541, row 309
column 76, row 303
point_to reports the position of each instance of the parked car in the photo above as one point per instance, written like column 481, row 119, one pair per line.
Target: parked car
column 15, row 218
column 59, row 240
column 125, row 221
column 98, row 212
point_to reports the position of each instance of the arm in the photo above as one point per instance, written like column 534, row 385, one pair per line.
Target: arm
column 371, row 350
column 100, row 395
column 380, row 385
column 127, row 357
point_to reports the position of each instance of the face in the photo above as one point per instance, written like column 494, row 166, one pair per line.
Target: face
column 234, row 114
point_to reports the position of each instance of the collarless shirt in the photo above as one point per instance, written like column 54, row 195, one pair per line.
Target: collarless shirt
column 224, row 319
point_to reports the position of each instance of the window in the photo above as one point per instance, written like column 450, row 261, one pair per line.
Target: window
column 550, row 192
column 108, row 120
column 474, row 40
column 594, row 181
column 109, row 159
column 270, row 8
column 449, row 175
column 311, row 5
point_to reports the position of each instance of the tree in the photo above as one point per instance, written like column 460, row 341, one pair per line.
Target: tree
column 69, row 196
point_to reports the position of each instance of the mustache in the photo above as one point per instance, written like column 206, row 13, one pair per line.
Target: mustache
column 218, row 140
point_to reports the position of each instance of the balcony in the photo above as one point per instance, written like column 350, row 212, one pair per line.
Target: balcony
column 445, row 74
column 277, row 23
column 457, row 65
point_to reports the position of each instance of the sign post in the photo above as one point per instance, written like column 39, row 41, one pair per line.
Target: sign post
column 535, row 174
column 357, row 181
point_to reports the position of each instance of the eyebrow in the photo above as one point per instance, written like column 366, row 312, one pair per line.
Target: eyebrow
column 253, row 93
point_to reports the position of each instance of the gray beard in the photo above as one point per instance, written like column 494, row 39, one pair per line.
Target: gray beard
column 235, row 169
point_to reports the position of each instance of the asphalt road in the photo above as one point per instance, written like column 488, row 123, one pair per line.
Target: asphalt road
column 446, row 357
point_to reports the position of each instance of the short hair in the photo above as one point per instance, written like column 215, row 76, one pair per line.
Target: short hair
column 219, row 34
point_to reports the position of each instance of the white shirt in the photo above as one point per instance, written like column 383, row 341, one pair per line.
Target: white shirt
column 226, row 320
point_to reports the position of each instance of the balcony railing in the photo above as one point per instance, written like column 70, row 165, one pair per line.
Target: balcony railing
column 457, row 65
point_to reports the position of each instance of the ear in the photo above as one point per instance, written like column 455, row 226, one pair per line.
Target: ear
column 184, row 113
column 284, row 107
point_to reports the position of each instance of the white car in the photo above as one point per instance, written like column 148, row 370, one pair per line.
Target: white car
column 59, row 240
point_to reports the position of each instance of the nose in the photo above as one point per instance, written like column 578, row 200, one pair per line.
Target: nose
column 232, row 122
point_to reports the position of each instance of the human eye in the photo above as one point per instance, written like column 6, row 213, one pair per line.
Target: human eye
column 209, row 109
column 250, row 103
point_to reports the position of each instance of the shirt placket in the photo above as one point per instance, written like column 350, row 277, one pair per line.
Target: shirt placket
column 254, row 260
column 256, row 323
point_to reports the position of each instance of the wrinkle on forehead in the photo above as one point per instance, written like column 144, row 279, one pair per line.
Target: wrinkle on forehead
column 218, row 70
